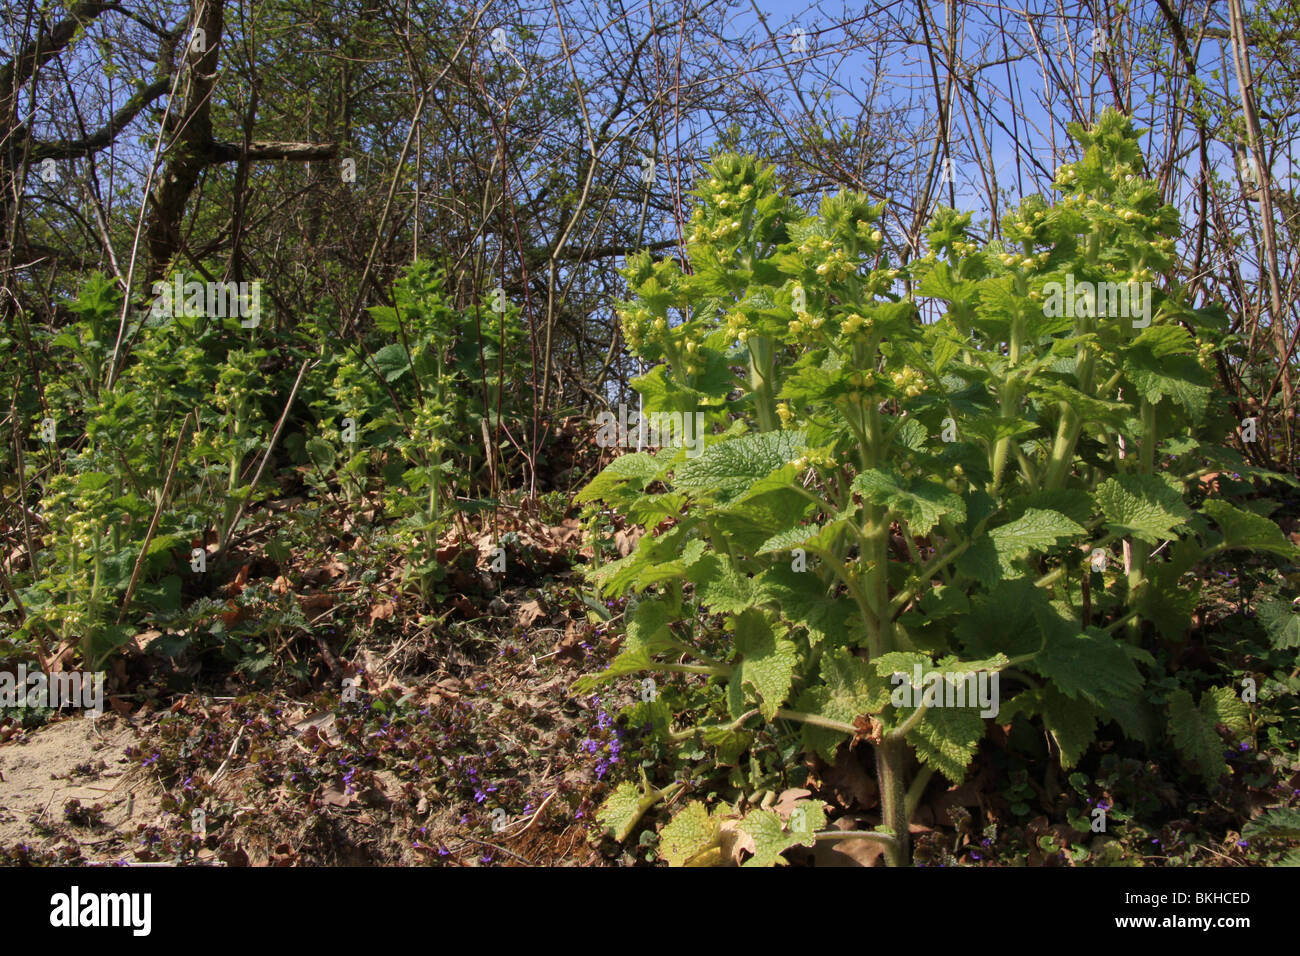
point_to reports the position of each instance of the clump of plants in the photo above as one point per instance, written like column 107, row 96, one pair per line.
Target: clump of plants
column 923, row 477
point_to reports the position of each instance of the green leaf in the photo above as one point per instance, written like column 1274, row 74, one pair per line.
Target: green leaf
column 920, row 501
column 1035, row 530
column 1275, row 823
column 637, row 469
column 1282, row 624
column 1136, row 718
column 946, row 739
column 1074, row 503
column 1194, row 728
column 648, row 631
column 1244, row 529
column 1170, row 596
column 728, row 468
column 766, row 665
column 770, row 836
column 1090, row 665
column 656, row 559
column 1159, row 365
column 1072, row 724
column 720, row 587
column 1141, row 506
column 1006, row 620
column 622, row 810
column 990, row 557
column 1223, row 706
column 692, row 832
column 321, row 453
column 802, row 598
column 730, row 742
column 850, row 688
column 810, row 537
column 980, row 561
column 392, row 361
column 627, row 662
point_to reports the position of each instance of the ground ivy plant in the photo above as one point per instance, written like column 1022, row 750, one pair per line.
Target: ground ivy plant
column 920, row 468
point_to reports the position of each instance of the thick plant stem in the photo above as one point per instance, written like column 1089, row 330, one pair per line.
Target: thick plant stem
column 760, row 381
column 1010, row 399
column 891, row 753
column 1147, row 461
column 891, row 756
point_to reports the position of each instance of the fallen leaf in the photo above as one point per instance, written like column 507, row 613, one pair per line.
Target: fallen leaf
column 334, row 797
column 785, row 802
column 383, row 612
column 733, row 842
column 851, row 785
column 240, row 581
column 528, row 612
column 142, row 640
column 850, row 852
column 325, row 574
column 316, row 602
column 625, row 540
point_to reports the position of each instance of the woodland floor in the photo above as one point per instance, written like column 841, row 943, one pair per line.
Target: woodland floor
column 464, row 745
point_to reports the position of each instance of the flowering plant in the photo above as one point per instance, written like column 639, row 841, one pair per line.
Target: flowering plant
column 917, row 470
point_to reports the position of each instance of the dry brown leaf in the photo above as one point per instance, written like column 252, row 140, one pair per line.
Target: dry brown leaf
column 325, row 574
column 733, row 842
column 851, row 852
column 625, row 540
column 316, row 602
column 570, row 646
column 239, row 582
column 142, row 640
column 784, row 804
column 852, row 786
column 528, row 612
column 383, row 612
